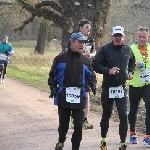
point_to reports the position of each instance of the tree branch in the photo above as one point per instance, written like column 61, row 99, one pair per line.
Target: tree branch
column 49, row 3
column 24, row 24
column 41, row 12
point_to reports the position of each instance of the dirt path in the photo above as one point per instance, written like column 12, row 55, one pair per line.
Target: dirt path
column 29, row 121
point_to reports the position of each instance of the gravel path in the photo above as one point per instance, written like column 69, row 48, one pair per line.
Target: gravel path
column 29, row 121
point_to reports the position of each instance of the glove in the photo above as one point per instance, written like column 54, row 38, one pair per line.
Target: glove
column 93, row 87
column 53, row 92
column 6, row 52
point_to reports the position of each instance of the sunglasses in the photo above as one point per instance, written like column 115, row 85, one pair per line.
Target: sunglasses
column 118, row 35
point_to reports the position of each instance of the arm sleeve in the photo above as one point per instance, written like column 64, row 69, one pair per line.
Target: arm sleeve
column 98, row 62
column 131, row 64
column 51, row 79
column 11, row 50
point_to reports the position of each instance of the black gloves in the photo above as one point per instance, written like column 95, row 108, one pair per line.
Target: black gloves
column 6, row 52
column 93, row 87
column 53, row 92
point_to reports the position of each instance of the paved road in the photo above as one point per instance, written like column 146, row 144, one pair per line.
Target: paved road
column 29, row 121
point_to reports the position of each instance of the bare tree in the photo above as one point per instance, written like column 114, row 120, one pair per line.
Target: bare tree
column 67, row 14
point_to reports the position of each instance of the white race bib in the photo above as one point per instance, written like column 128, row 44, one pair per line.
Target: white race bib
column 73, row 94
column 3, row 57
column 116, row 92
column 87, row 50
column 144, row 75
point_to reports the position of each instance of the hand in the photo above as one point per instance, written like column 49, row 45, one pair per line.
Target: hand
column 88, row 55
column 129, row 76
column 114, row 71
column 139, row 65
column 53, row 92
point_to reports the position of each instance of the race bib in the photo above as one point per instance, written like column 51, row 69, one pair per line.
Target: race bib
column 116, row 92
column 87, row 50
column 144, row 75
column 3, row 57
column 73, row 94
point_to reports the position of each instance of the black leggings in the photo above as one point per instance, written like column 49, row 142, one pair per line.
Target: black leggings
column 64, row 118
column 107, row 105
column 135, row 95
column 4, row 71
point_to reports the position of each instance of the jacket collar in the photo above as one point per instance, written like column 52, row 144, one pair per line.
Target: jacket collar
column 73, row 53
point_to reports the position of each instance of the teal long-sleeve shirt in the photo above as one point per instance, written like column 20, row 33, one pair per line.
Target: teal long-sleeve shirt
column 6, row 47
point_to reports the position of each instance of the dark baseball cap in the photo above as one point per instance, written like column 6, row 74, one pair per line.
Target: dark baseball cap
column 78, row 36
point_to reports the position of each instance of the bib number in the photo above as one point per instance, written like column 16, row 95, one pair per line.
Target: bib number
column 87, row 50
column 116, row 92
column 2, row 57
column 73, row 94
column 145, row 75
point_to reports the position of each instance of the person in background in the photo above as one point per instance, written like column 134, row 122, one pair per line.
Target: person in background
column 139, row 86
column 69, row 73
column 6, row 50
column 89, row 51
column 115, row 60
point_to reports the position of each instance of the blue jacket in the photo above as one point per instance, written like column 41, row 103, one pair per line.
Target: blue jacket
column 70, row 69
column 6, row 48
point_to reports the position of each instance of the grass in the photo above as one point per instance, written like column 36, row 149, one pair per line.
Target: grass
column 28, row 67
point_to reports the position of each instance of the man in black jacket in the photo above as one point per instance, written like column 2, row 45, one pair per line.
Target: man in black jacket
column 70, row 72
column 89, row 52
column 116, row 62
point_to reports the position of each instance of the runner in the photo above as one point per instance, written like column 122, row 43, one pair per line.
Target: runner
column 116, row 62
column 69, row 74
column 89, row 52
column 6, row 50
column 139, row 87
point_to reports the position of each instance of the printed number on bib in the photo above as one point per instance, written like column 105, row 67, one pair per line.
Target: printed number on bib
column 2, row 57
column 87, row 49
column 144, row 75
column 73, row 94
column 116, row 92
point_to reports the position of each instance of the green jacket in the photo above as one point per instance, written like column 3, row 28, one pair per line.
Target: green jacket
column 135, row 82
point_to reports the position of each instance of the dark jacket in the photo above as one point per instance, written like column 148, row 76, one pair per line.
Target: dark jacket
column 109, row 56
column 70, row 69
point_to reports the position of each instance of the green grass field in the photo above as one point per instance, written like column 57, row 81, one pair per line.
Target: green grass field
column 29, row 67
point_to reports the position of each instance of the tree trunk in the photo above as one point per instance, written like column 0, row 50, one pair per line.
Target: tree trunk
column 95, row 11
column 40, row 47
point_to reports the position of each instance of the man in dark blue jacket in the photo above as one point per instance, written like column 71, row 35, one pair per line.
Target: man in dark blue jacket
column 116, row 62
column 69, row 74
column 89, row 52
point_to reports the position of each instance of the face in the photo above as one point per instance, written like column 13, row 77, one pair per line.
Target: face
column 5, row 40
column 117, row 38
column 142, row 38
column 85, row 30
column 77, row 46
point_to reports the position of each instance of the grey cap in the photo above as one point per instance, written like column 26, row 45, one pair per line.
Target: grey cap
column 4, row 36
column 78, row 36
